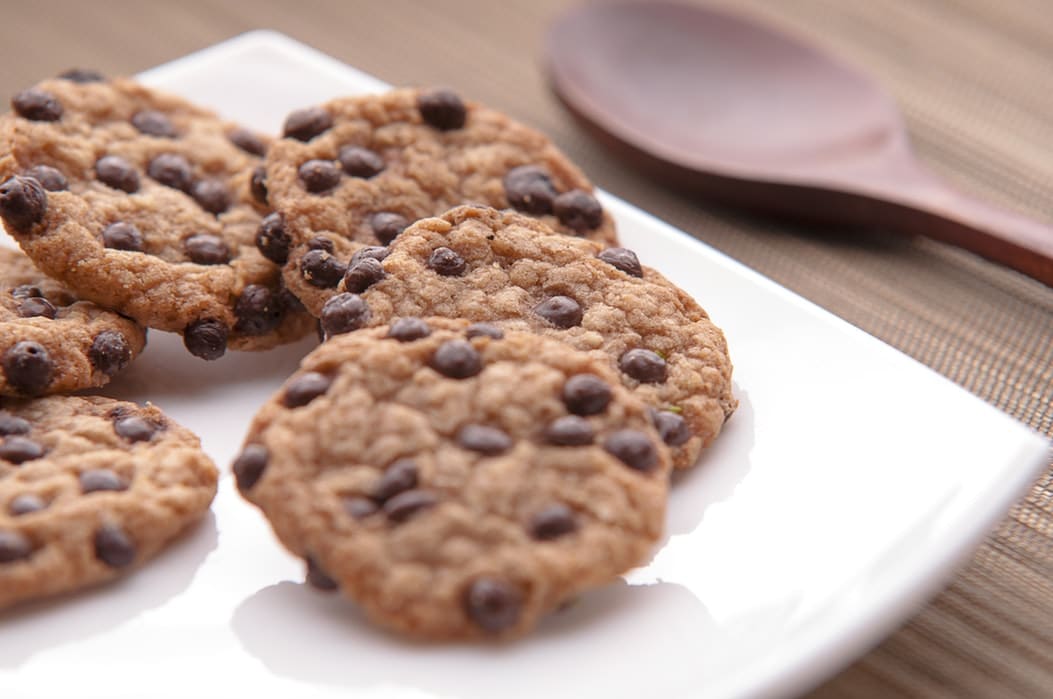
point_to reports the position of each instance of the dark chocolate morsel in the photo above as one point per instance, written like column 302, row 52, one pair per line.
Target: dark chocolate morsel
column 319, row 175
column 319, row 268
column 493, row 604
column 672, row 427
column 484, row 330
column 101, row 479
column 17, row 449
column 171, row 170
column 529, row 188
column 258, row 184
column 359, row 507
column 343, row 313
column 399, row 476
column 206, row 338
column 320, row 242
column 26, row 503
column 37, row 105
column 14, row 546
column 442, row 109
column 12, row 424
column 363, row 274
column 578, row 210
column 569, row 431
column 304, row 388
column 623, row 259
column 409, row 329
column 248, row 141
column 446, row 262
column 484, row 439
column 318, row 578
column 258, row 310
column 211, row 195
column 49, row 178
column 409, row 503
column 122, row 236
column 25, row 291
column 360, row 162
column 113, row 546
column 643, row 365
column 206, row 249
column 154, row 123
column 34, row 307
column 82, row 75
column 109, row 352
column 457, row 359
column 272, row 240
column 387, row 225
column 370, row 252
column 28, row 367
column 562, row 311
column 305, row 124
column 134, row 428
column 249, row 466
column 114, row 171
column 553, row 522
column 633, row 448
column 23, row 202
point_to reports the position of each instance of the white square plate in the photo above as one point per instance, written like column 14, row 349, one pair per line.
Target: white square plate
column 844, row 491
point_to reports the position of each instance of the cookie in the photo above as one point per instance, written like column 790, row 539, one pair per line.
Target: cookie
column 142, row 202
column 356, row 171
column 485, row 265
column 456, row 481
column 90, row 488
column 51, row 342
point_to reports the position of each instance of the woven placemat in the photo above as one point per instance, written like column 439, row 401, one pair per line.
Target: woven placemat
column 975, row 80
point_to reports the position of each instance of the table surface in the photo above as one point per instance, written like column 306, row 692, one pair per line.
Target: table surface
column 975, row 81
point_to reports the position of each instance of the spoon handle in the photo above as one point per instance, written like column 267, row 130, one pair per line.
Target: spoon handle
column 922, row 204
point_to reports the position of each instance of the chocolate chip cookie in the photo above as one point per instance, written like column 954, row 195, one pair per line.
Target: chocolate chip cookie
column 500, row 267
column 89, row 488
column 356, row 171
column 143, row 203
column 51, row 342
column 456, row 480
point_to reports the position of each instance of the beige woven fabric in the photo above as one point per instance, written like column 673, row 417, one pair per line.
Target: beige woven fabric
column 975, row 80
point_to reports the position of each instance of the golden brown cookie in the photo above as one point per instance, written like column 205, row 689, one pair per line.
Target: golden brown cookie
column 485, row 265
column 143, row 203
column 358, row 170
column 454, row 480
column 90, row 488
column 51, row 342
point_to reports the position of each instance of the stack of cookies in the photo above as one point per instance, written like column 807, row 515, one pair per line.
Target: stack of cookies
column 490, row 423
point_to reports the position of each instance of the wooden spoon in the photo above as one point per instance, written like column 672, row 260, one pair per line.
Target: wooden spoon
column 748, row 116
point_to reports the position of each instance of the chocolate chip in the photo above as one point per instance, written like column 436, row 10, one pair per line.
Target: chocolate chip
column 457, row 359
column 553, row 522
column 23, row 202
column 50, row 178
column 304, row 388
column 134, row 428
column 370, row 252
column 248, row 468
column 578, row 210
column 122, row 236
column 409, row 503
column 101, row 479
column 272, row 240
column 363, row 274
column 484, row 330
column 113, row 546
column 484, row 439
column 82, row 76
column 319, row 175
column 359, row 507
column 305, row 124
column 28, row 367
column 343, row 313
column 318, row 578
column 643, row 365
column 320, row 242
column 248, row 142
column 409, row 329
column 26, row 503
column 14, row 546
column 258, row 310
column 37, row 105
column 11, row 424
column 16, row 449
column 258, row 184
column 360, row 162
column 171, row 170
column 109, row 352
column 569, row 431
column 493, row 604
column 586, row 394
column 633, row 448
column 398, row 477
column 206, row 249
column 442, row 109
column 211, row 195
column 206, row 338
column 562, row 311
column 114, row 171
column 319, row 268
column 623, row 259
column 672, row 428
column 387, row 225
column 154, row 123
column 34, row 307
column 528, row 188
column 447, row 262
column 25, row 291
